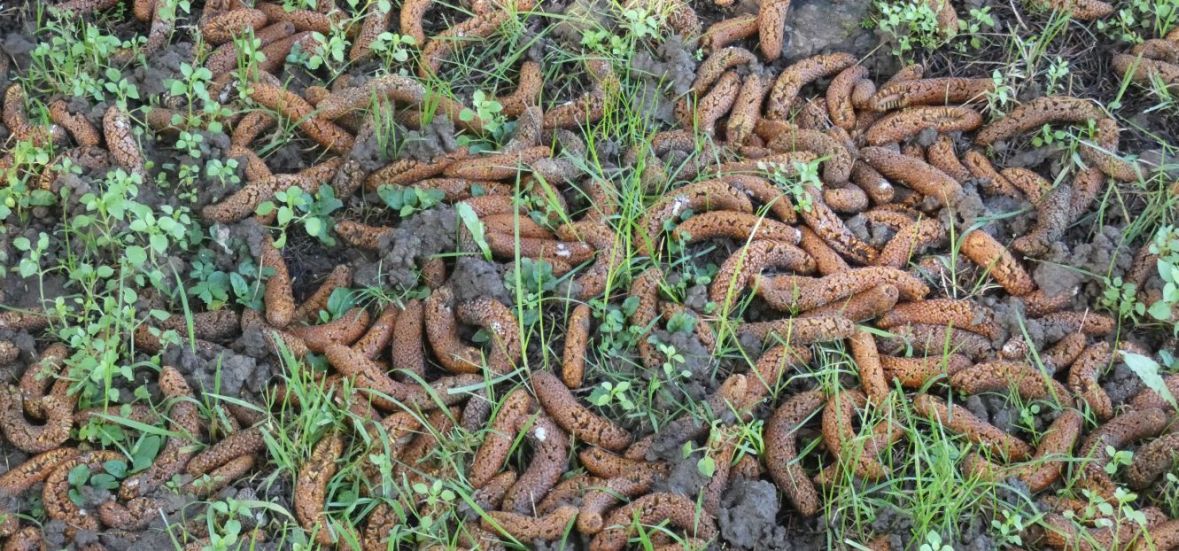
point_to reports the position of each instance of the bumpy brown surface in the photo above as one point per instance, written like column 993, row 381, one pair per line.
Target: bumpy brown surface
column 985, row 435
column 849, row 258
column 574, row 417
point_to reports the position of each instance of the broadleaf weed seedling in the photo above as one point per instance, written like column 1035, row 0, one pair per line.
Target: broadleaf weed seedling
column 641, row 24
column 1117, row 459
column 1057, row 70
column 706, row 465
column 1103, row 513
column 407, row 201
column 223, row 172
column 1002, row 94
column 529, row 281
column 475, row 227
column 217, row 288
column 295, row 207
column 933, row 542
column 908, row 26
column 1009, row 530
column 608, row 394
column 1166, row 246
column 1138, row 20
column 615, row 334
column 201, row 110
column 489, row 112
column 332, row 52
column 1151, row 372
column 118, row 245
column 119, row 87
column 973, row 25
column 1121, row 297
column 72, row 58
column 807, row 175
column 80, row 478
column 673, row 361
column 394, row 49
column 339, row 302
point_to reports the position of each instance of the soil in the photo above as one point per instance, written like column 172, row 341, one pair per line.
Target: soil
column 749, row 516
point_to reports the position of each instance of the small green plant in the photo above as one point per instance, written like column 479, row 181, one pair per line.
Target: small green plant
column 333, row 49
column 972, row 26
column 394, row 49
column 409, row 200
column 162, row 230
column 474, row 226
column 224, row 535
column 190, row 143
column 1141, row 19
column 1008, row 531
column 120, row 245
column 169, row 9
column 30, row 263
column 603, row 41
column 143, row 453
column 1163, row 93
column 384, row 465
column 1002, row 94
column 385, row 129
column 119, row 87
column 1028, row 414
column 27, row 160
column 80, row 478
column 806, row 175
column 1106, row 514
column 608, row 393
column 292, row 5
column 634, row 26
column 933, row 542
column 672, row 361
column 531, row 280
column 681, row 322
column 641, row 23
column 1057, row 70
column 224, row 521
column 216, row 288
column 107, row 429
column 223, row 172
column 1049, row 136
column 339, row 303
column 135, row 233
column 436, row 497
column 1170, row 492
column 249, row 55
column 73, row 58
column 706, row 465
column 614, row 334
column 1121, row 298
column 909, row 26
column 1150, row 372
column 193, row 86
column 1166, row 246
column 488, row 111
column 294, row 206
column 1117, row 459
